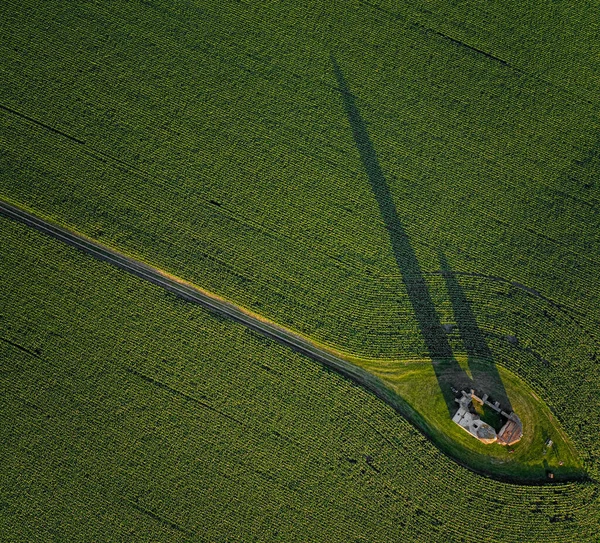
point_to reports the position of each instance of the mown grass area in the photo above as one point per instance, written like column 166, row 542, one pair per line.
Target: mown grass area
column 529, row 459
column 128, row 414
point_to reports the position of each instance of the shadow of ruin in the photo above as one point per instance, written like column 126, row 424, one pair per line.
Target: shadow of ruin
column 506, row 428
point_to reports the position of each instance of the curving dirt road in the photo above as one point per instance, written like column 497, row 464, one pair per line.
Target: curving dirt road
column 210, row 301
column 238, row 314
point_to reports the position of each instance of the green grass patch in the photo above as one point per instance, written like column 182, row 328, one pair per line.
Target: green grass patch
column 530, row 459
column 489, row 415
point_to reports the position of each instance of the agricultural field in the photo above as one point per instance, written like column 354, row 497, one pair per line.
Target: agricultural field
column 130, row 415
column 211, row 138
column 411, row 185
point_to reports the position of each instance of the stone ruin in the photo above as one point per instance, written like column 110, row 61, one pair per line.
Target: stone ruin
column 510, row 433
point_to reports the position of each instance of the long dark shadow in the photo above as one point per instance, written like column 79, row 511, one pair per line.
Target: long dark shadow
column 481, row 360
column 448, row 371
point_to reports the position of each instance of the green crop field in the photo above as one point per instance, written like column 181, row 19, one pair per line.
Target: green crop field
column 211, row 138
column 411, row 184
column 129, row 415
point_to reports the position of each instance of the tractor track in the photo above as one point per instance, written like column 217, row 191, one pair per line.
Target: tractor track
column 207, row 300
column 256, row 323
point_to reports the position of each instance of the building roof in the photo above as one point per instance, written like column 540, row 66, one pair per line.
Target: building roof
column 510, row 433
column 471, row 422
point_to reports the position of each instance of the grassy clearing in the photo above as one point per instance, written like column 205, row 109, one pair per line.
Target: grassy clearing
column 416, row 382
column 128, row 414
column 489, row 416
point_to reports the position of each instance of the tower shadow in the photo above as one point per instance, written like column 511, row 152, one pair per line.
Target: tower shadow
column 449, row 373
column 484, row 372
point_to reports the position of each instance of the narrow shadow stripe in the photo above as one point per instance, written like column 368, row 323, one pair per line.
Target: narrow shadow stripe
column 412, row 276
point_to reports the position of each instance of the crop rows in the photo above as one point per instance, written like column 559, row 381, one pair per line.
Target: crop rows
column 294, row 230
column 210, row 139
column 190, row 428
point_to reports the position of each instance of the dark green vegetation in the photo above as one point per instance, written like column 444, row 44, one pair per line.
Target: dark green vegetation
column 211, row 138
column 489, row 416
column 368, row 174
column 407, row 386
column 130, row 415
